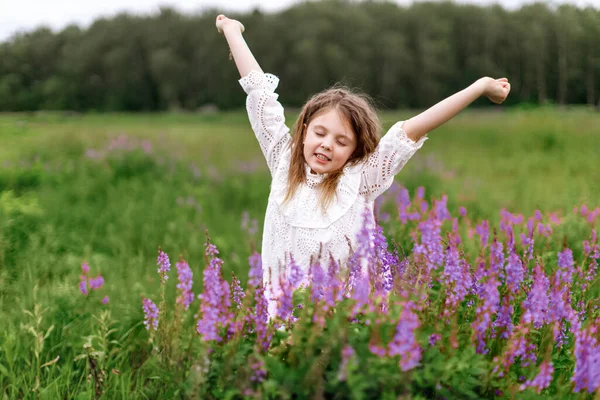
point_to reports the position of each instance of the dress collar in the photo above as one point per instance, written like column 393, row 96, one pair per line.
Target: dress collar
column 313, row 177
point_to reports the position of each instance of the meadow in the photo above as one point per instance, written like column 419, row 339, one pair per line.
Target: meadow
column 108, row 190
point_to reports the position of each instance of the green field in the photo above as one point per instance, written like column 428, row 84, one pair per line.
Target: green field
column 111, row 189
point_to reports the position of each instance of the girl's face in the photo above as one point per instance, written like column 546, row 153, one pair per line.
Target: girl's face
column 329, row 142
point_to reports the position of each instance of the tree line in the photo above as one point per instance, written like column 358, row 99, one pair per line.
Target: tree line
column 402, row 56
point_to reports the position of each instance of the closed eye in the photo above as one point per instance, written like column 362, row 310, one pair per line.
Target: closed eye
column 319, row 134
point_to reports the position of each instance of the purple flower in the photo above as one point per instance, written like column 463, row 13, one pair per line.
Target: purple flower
column 105, row 300
column 504, row 319
column 296, row 276
column 462, row 211
column 543, row 379
column 514, row 271
column 261, row 319
column 431, row 242
column 565, row 266
column 333, row 289
column 384, row 278
column 255, row 275
column 211, row 250
column 441, row 209
column 527, row 243
column 260, row 373
column 405, row 343
column 483, row 231
column 347, row 354
column 497, row 258
column 96, row 283
column 586, row 374
column 215, row 299
column 377, row 350
column 457, row 277
column 164, row 265
column 433, row 338
column 488, row 292
column 362, row 264
column 83, row 286
column 185, row 276
column 238, row 293
column 317, row 279
column 150, row 314
column 537, row 303
column 85, row 268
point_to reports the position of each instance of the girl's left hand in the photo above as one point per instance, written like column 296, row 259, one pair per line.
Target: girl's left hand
column 496, row 89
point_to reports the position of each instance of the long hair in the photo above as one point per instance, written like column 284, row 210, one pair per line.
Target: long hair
column 358, row 111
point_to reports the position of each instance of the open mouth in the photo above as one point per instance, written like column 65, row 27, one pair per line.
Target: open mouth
column 322, row 158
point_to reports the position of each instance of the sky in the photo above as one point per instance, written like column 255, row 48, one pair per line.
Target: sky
column 24, row 15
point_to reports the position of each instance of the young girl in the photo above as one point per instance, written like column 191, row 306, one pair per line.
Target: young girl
column 333, row 164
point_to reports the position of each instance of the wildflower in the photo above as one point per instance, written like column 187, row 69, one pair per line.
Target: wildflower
column 543, row 379
column 433, row 338
column 504, row 319
column 105, row 300
column 185, row 277
column 215, row 299
column 377, row 350
column 362, row 259
column 497, row 258
column 96, row 283
column 83, row 286
column 586, row 374
column 384, row 279
column 462, row 211
column 404, row 342
column 164, row 265
column 420, row 192
column 441, row 209
column 527, row 243
column 431, row 242
column 517, row 346
column 258, row 366
column 514, row 271
column 85, row 268
column 255, row 275
column 261, row 318
column 483, row 231
column 150, row 314
column 317, row 279
column 347, row 354
column 565, row 266
column 457, row 276
column 333, row 290
column 238, row 293
column 537, row 303
column 488, row 292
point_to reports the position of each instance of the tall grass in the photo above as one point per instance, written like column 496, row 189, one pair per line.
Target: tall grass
column 110, row 189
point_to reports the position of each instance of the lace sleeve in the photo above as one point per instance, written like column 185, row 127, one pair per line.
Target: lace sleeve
column 266, row 115
column 392, row 153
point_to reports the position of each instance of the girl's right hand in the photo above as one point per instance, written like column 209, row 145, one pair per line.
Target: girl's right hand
column 224, row 23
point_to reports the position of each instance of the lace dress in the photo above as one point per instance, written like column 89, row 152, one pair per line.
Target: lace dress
column 299, row 228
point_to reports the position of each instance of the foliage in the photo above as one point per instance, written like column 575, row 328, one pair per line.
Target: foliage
column 402, row 56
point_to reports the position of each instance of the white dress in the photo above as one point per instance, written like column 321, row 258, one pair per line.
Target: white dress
column 299, row 227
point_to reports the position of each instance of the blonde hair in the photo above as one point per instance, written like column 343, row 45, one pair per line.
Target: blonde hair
column 360, row 114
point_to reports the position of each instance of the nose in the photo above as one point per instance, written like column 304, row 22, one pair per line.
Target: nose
column 326, row 145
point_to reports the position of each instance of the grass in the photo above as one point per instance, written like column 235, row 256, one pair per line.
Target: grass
column 110, row 189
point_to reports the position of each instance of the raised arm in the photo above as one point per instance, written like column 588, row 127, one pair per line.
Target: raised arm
column 244, row 59
column 418, row 126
